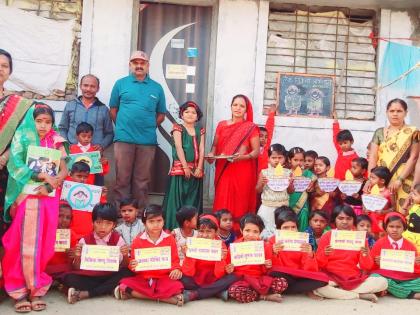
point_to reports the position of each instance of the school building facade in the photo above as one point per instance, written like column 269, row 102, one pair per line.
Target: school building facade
column 210, row 50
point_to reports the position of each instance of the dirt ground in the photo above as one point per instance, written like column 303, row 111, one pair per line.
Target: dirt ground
column 292, row 305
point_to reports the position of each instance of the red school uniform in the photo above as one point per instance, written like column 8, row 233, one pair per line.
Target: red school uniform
column 60, row 262
column 378, row 218
column 263, row 155
column 384, row 243
column 296, row 264
column 342, row 266
column 343, row 162
column 74, row 149
column 253, row 276
column 204, row 272
column 155, row 284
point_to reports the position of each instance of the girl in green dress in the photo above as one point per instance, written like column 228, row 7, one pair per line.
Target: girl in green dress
column 298, row 201
column 186, row 175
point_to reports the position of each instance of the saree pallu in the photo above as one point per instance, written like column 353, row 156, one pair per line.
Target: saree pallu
column 235, row 181
column 29, row 245
column 393, row 153
column 299, row 203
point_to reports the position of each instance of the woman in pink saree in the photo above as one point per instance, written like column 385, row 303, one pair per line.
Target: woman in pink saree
column 29, row 242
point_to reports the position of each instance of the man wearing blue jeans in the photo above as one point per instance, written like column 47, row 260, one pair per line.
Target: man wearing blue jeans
column 137, row 107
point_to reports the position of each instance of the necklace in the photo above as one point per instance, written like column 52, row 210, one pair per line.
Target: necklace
column 392, row 145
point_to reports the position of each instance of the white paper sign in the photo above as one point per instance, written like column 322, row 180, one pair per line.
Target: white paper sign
column 176, row 71
column 328, row 184
column 177, row 43
column 374, row 202
column 301, row 183
column 277, row 183
column 350, row 187
column 191, row 70
column 81, row 196
column 190, row 88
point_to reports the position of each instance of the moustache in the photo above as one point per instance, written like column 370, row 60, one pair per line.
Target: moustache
column 139, row 68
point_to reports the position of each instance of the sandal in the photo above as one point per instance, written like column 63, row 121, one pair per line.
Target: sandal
column 73, row 296
column 38, row 305
column 120, row 294
column 23, row 306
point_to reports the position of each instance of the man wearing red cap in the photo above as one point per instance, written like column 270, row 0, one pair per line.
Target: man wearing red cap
column 137, row 107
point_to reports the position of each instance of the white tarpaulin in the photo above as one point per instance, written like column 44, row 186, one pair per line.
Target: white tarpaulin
column 41, row 50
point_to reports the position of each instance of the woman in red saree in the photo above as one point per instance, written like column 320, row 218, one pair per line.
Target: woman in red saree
column 236, row 177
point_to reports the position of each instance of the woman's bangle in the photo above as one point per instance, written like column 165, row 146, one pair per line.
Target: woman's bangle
column 185, row 167
column 400, row 179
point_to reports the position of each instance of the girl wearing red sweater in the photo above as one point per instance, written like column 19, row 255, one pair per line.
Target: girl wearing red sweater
column 159, row 285
column 254, row 282
column 402, row 285
column 203, row 278
column 346, row 269
column 300, row 269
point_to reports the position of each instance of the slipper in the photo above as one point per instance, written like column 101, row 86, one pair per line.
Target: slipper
column 38, row 305
column 117, row 292
column 71, row 294
column 23, row 306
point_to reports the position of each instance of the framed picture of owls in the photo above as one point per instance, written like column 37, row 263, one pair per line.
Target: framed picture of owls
column 305, row 95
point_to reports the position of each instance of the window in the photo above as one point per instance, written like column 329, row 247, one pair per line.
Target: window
column 332, row 41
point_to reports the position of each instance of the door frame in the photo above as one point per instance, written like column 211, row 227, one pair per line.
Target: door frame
column 208, row 189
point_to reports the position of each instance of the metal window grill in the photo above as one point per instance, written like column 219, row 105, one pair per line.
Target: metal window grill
column 329, row 41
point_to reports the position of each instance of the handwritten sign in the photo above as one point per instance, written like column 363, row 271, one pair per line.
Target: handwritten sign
column 374, row 202
column 328, row 184
column 155, row 258
column 62, row 240
column 348, row 240
column 350, row 187
column 204, row 249
column 397, row 260
column 247, row 253
column 277, row 183
column 91, row 158
column 291, row 240
column 81, row 196
column 100, row 258
column 301, row 183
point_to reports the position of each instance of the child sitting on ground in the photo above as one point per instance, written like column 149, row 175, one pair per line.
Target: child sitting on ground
column 225, row 232
column 204, row 278
column 186, row 217
column 318, row 226
column 131, row 225
column 84, row 284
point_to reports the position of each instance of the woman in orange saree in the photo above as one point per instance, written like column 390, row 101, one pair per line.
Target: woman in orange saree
column 236, row 176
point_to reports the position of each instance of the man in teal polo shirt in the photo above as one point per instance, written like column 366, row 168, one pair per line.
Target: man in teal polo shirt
column 137, row 107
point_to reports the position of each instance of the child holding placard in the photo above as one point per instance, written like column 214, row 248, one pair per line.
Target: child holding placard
column 298, row 201
column 380, row 176
column 186, row 217
column 186, row 175
column 61, row 261
column 343, row 142
column 318, row 226
column 225, row 232
column 153, row 284
column 364, row 223
column 84, row 135
column 299, row 268
column 85, row 284
column 131, row 225
column 401, row 284
column 319, row 198
column 255, row 283
column 203, row 278
column 347, row 269
column 272, row 197
column 358, row 169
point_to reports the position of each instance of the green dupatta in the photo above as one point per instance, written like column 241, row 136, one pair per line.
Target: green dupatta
column 19, row 172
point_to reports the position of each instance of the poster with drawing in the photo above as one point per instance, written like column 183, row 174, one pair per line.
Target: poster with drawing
column 81, row 196
column 305, row 95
